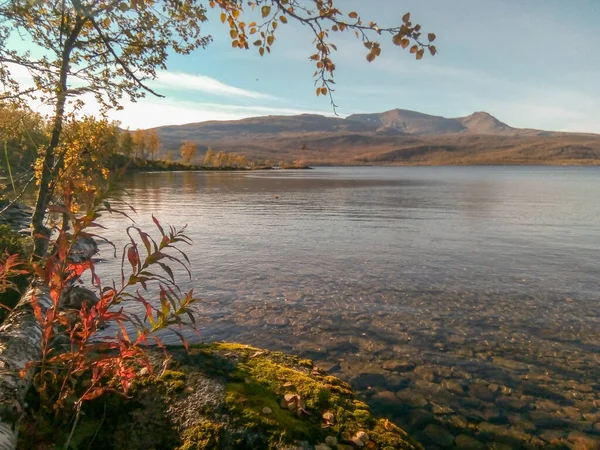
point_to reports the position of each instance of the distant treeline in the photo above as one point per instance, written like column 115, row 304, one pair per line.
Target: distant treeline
column 93, row 147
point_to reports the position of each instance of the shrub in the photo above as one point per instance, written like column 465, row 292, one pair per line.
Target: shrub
column 93, row 364
column 13, row 273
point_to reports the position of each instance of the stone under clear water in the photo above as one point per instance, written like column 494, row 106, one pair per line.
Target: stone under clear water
column 463, row 302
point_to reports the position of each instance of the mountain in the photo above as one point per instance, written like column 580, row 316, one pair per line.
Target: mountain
column 409, row 122
column 484, row 123
column 397, row 136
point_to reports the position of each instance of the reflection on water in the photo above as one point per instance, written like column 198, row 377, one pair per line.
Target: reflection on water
column 462, row 302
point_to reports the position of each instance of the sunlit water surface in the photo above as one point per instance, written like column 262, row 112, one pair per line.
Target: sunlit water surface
column 466, row 297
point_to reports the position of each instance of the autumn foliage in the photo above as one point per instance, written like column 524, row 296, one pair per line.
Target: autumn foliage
column 188, row 151
column 324, row 20
column 89, row 363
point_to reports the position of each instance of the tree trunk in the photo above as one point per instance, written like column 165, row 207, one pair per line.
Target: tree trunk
column 40, row 234
column 20, row 343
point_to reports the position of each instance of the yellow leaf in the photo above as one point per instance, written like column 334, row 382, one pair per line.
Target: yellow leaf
column 252, row 30
column 261, row 51
column 252, row 24
column 106, row 22
column 420, row 54
column 274, row 25
column 233, row 34
column 414, row 49
column 283, row 19
column 223, row 17
column 406, row 17
column 258, row 42
column 270, row 39
column 324, row 91
column 318, row 91
column 431, row 37
column 404, row 43
column 235, row 43
column 370, row 56
column 265, row 10
column 235, row 13
column 212, row 4
column 353, row 15
column 432, row 50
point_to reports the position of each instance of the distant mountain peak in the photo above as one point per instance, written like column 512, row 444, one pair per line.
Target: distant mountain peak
column 481, row 122
column 410, row 122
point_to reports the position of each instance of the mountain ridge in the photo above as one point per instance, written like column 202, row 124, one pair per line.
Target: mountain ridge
column 397, row 136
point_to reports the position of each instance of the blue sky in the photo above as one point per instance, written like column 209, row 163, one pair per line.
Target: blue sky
column 531, row 63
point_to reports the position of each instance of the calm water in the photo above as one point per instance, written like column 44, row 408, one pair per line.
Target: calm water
column 461, row 297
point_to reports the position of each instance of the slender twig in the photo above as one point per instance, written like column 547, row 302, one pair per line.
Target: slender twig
column 99, row 427
column 74, row 426
column 16, row 199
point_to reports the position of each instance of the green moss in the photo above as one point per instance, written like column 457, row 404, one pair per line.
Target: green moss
column 10, row 241
column 261, row 379
column 247, row 401
column 306, row 363
column 388, row 436
column 315, row 393
column 173, row 381
column 248, row 414
column 363, row 418
column 204, row 436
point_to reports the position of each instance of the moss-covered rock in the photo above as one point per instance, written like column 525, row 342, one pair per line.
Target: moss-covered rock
column 231, row 396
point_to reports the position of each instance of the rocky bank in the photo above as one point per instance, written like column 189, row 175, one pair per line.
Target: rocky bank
column 227, row 396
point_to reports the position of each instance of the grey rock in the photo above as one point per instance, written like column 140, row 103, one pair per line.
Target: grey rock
column 397, row 365
column 76, row 296
column 453, row 386
column 543, row 419
column 386, row 399
column 367, row 380
column 418, row 418
column 439, row 436
column 426, row 372
column 481, row 392
column 459, row 422
column 511, row 403
column 571, row 413
column 412, row 399
column 331, row 441
column 465, row 442
column 584, row 441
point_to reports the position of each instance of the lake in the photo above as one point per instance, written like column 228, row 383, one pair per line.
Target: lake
column 462, row 302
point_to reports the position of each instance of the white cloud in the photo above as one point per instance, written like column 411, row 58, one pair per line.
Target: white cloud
column 148, row 113
column 185, row 82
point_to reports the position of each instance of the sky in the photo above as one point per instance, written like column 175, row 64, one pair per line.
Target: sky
column 530, row 63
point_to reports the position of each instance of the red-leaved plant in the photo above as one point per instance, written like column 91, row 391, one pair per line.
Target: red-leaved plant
column 11, row 265
column 93, row 363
